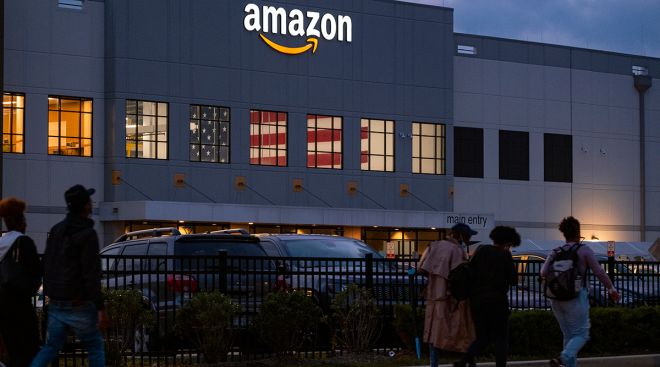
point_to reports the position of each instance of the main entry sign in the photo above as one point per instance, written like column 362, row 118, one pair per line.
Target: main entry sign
column 296, row 23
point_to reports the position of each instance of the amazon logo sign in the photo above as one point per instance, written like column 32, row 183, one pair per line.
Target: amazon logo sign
column 311, row 25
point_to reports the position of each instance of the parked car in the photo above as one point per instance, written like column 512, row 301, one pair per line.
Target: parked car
column 323, row 265
column 631, row 286
column 168, row 268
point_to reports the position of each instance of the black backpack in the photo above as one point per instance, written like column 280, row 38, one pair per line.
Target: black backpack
column 563, row 281
column 460, row 281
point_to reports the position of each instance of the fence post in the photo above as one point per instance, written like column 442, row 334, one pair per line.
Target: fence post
column 369, row 273
column 222, row 267
column 610, row 268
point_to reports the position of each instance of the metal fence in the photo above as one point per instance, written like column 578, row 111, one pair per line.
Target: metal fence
column 169, row 282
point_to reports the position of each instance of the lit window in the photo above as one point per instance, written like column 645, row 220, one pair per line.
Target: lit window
column 428, row 154
column 146, row 129
column 70, row 4
column 209, row 134
column 466, row 50
column 268, row 138
column 13, row 119
column 377, row 145
column 70, row 126
column 324, row 140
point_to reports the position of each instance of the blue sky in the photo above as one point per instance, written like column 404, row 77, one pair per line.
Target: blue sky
column 627, row 26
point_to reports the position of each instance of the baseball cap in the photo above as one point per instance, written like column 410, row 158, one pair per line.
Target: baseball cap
column 77, row 195
column 463, row 228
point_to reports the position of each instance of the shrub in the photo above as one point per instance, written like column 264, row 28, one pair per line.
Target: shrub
column 287, row 320
column 405, row 327
column 614, row 330
column 127, row 313
column 206, row 322
column 356, row 319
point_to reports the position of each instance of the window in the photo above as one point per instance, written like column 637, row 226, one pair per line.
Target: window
column 558, row 157
column 70, row 4
column 468, row 152
column 466, row 50
column 209, row 134
column 268, row 138
column 428, row 155
column 514, row 155
column 146, row 129
column 13, row 120
column 377, row 145
column 70, row 126
column 324, row 142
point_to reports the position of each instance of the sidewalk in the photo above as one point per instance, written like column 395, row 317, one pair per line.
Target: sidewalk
column 650, row 360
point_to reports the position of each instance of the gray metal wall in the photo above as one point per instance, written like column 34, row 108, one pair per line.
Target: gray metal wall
column 399, row 67
column 52, row 51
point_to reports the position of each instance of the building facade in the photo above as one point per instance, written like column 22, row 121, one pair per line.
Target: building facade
column 370, row 119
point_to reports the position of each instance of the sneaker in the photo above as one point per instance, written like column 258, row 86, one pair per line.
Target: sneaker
column 557, row 362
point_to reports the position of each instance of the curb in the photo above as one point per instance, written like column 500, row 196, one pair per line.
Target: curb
column 648, row 360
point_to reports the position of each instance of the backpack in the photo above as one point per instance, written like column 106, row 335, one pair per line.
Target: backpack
column 563, row 281
column 460, row 281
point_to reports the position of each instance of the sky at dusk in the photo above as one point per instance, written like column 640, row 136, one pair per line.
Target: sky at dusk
column 626, row 26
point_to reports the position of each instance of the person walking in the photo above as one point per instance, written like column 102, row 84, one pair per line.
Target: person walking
column 72, row 281
column 493, row 275
column 447, row 324
column 19, row 281
column 573, row 314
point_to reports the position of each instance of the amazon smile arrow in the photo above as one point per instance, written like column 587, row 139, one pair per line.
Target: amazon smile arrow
column 312, row 43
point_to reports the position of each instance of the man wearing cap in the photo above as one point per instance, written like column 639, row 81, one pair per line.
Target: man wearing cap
column 72, row 281
column 448, row 324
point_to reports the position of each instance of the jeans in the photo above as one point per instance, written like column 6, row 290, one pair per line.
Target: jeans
column 573, row 319
column 82, row 319
column 433, row 355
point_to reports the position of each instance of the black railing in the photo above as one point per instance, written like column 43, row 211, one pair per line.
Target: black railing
column 169, row 282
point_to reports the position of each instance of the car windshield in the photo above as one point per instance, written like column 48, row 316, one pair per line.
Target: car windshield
column 339, row 248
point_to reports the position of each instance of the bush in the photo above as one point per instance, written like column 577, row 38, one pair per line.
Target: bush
column 613, row 331
column 127, row 314
column 287, row 320
column 405, row 327
column 206, row 321
column 356, row 319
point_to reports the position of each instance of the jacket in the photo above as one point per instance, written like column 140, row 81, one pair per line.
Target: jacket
column 72, row 264
column 15, row 246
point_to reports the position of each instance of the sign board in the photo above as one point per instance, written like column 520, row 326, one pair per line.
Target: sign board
column 391, row 249
column 475, row 221
column 610, row 248
column 308, row 27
